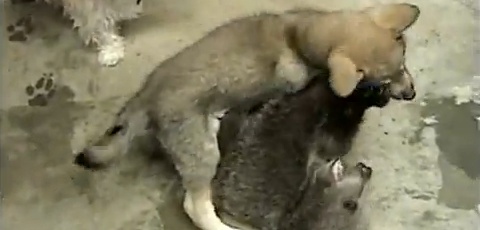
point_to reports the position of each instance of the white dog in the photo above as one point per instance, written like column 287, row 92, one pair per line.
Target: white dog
column 97, row 22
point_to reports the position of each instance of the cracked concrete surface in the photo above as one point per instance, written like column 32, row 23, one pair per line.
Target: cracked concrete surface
column 426, row 175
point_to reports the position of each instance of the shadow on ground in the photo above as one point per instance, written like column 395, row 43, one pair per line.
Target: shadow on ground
column 457, row 136
column 39, row 179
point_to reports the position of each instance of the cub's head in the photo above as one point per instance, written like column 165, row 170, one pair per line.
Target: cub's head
column 346, row 183
column 372, row 48
column 331, row 198
column 341, row 199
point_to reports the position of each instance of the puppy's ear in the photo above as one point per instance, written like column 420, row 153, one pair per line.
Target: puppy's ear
column 344, row 76
column 397, row 17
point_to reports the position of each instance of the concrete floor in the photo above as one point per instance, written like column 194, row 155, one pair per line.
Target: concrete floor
column 427, row 171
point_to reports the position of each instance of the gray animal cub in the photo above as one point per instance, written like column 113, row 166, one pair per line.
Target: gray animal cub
column 269, row 176
column 327, row 198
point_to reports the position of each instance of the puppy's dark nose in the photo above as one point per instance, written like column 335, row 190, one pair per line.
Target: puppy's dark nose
column 408, row 96
column 365, row 171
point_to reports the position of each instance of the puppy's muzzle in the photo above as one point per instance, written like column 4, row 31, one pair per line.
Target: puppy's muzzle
column 406, row 94
column 409, row 94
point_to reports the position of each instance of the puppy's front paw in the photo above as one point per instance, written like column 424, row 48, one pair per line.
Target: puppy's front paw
column 111, row 55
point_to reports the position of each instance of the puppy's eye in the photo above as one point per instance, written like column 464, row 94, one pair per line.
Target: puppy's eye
column 361, row 71
column 350, row 205
column 400, row 38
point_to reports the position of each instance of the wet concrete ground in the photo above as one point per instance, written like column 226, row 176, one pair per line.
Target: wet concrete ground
column 426, row 175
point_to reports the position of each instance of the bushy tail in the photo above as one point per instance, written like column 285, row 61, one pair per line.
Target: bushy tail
column 130, row 122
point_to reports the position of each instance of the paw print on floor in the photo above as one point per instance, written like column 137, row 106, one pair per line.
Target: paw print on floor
column 19, row 31
column 42, row 91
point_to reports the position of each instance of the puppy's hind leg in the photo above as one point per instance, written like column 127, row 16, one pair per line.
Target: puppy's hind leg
column 193, row 146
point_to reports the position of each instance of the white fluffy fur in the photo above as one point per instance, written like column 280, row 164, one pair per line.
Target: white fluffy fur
column 96, row 21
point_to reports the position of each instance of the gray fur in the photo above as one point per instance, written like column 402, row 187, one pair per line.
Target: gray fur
column 274, row 156
column 296, row 197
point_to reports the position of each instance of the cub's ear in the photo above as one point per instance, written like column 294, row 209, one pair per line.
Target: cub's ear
column 397, row 17
column 330, row 170
column 344, row 76
column 333, row 171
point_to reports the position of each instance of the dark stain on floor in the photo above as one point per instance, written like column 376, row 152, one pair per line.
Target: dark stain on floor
column 41, row 91
column 457, row 134
column 61, row 110
column 21, row 29
column 457, row 138
column 46, row 148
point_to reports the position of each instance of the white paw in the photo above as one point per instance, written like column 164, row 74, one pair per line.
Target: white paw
column 111, row 55
column 224, row 227
column 203, row 215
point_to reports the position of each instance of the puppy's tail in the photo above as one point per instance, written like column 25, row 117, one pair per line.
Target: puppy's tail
column 131, row 121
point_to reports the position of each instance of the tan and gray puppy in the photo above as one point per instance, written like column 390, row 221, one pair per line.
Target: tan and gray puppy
column 247, row 61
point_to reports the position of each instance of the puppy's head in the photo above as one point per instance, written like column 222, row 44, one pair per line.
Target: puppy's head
column 372, row 48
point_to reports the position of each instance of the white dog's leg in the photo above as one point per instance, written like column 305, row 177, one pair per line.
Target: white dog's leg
column 96, row 21
column 111, row 48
